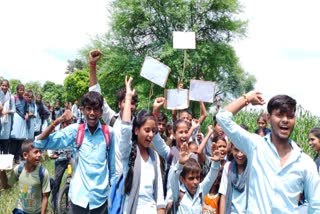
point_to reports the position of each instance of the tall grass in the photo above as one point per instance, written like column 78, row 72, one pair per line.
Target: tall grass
column 8, row 197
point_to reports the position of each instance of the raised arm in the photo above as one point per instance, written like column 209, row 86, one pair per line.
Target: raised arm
column 203, row 112
column 94, row 57
column 203, row 144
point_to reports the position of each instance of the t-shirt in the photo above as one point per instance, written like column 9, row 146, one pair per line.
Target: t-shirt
column 211, row 204
column 30, row 190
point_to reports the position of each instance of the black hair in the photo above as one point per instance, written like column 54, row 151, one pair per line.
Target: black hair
column 190, row 166
column 315, row 132
column 162, row 117
column 5, row 80
column 284, row 103
column 121, row 93
column 92, row 98
column 20, row 85
column 27, row 145
column 138, row 121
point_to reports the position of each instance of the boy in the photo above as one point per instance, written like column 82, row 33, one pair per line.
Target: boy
column 279, row 170
column 33, row 197
column 95, row 168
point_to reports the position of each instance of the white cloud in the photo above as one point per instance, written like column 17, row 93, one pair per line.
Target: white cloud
column 282, row 49
column 38, row 37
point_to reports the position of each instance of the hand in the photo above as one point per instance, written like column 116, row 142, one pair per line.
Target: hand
column 129, row 92
column 216, row 155
column 94, row 56
column 66, row 116
column 184, row 154
column 180, row 85
column 195, row 123
column 158, row 102
column 255, row 98
column 210, row 128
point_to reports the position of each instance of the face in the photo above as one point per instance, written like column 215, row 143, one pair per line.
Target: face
column 239, row 156
column 262, row 123
column 191, row 181
column 181, row 134
column 33, row 156
column 193, row 148
column 132, row 107
column 185, row 116
column 146, row 132
column 222, row 146
column 92, row 115
column 314, row 142
column 282, row 124
column 199, row 136
column 39, row 99
column 30, row 98
column 162, row 127
column 20, row 91
column 4, row 86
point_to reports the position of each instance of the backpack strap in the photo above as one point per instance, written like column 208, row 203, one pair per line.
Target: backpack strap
column 41, row 171
column 229, row 168
column 20, row 168
column 113, row 120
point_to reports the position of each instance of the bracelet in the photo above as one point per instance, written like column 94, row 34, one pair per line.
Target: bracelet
column 93, row 65
column 245, row 99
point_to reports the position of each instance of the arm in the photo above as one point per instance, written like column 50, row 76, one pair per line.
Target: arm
column 94, row 57
column 203, row 143
column 223, row 187
column 44, row 203
column 203, row 113
column 222, row 203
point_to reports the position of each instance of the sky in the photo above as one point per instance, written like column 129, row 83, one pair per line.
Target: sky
column 281, row 48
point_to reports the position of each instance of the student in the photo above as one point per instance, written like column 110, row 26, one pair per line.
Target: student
column 109, row 116
column 42, row 115
column 143, row 183
column 6, row 116
column 314, row 142
column 188, row 196
column 19, row 126
column 32, row 113
column 279, row 170
column 74, row 110
column 233, row 183
column 95, row 168
column 33, row 194
column 262, row 122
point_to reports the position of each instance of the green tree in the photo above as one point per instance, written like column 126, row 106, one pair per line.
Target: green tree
column 35, row 86
column 52, row 92
column 13, row 85
column 144, row 27
column 74, row 65
column 76, row 85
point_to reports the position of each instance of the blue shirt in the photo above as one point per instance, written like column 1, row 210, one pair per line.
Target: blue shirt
column 272, row 188
column 90, row 183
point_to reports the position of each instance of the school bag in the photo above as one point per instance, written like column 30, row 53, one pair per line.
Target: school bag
column 116, row 196
column 41, row 175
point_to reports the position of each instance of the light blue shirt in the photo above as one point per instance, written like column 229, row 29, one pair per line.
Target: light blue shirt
column 189, row 205
column 90, row 183
column 272, row 188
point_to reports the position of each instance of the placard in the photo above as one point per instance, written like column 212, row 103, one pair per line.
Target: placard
column 176, row 99
column 6, row 161
column 184, row 40
column 202, row 90
column 155, row 71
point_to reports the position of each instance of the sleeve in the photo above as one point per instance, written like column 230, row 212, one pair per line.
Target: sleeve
column 64, row 138
column 125, row 144
column 46, row 182
column 112, row 159
column 312, row 186
column 161, row 147
column 160, row 196
column 242, row 139
column 108, row 113
column 224, row 179
column 13, row 176
column 13, row 105
column 207, row 182
column 173, row 178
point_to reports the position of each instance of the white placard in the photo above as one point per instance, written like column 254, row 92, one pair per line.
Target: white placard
column 176, row 99
column 6, row 161
column 184, row 40
column 202, row 90
column 155, row 71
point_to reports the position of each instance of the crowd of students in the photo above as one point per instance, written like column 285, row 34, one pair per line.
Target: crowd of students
column 171, row 166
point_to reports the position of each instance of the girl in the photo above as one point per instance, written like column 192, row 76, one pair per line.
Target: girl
column 143, row 183
column 32, row 112
column 233, row 184
column 189, row 195
column 314, row 142
column 262, row 123
column 6, row 116
column 19, row 127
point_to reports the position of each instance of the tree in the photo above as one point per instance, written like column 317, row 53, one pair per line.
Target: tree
column 35, row 86
column 74, row 65
column 13, row 85
column 52, row 92
column 144, row 27
column 76, row 85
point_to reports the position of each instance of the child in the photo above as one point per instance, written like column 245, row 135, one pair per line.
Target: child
column 314, row 142
column 143, row 183
column 233, row 184
column 33, row 196
column 262, row 123
column 95, row 168
column 188, row 196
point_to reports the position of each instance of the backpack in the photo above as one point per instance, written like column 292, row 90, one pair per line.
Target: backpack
column 116, row 196
column 41, row 175
column 80, row 136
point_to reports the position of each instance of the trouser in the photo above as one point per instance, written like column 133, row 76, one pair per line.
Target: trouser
column 4, row 146
column 75, row 209
column 15, row 148
column 59, row 169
